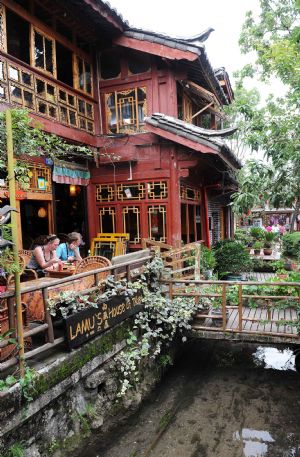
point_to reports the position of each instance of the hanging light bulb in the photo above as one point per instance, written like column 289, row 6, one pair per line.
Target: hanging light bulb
column 42, row 212
column 72, row 190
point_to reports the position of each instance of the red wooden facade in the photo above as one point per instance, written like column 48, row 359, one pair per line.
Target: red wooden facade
column 98, row 82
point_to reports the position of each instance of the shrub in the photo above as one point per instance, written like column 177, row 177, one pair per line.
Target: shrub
column 242, row 236
column 231, row 257
column 291, row 244
column 207, row 259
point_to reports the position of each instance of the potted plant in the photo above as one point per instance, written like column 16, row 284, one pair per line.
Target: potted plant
column 232, row 259
column 268, row 242
column 207, row 262
column 257, row 233
column 257, row 247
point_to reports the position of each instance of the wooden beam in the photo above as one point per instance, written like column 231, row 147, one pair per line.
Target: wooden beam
column 156, row 49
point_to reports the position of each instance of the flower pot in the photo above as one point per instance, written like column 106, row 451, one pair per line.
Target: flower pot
column 256, row 251
column 207, row 274
column 268, row 251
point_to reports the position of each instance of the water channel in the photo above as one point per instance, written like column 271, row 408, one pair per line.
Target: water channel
column 219, row 400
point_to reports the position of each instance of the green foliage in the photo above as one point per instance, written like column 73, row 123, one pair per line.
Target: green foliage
column 29, row 139
column 257, row 233
column 207, row 259
column 274, row 129
column 67, row 302
column 243, row 237
column 7, row 263
column 231, row 257
column 291, row 245
column 257, row 245
column 270, row 236
column 158, row 324
column 274, row 36
column 16, row 450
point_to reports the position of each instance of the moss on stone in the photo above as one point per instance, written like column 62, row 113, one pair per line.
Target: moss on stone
column 76, row 360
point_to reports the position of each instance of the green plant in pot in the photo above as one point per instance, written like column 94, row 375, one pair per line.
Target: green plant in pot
column 207, row 262
column 232, row 259
column 268, row 242
column 257, row 246
column 257, row 233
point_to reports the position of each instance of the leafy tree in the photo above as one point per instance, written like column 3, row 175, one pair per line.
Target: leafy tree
column 275, row 37
column 274, row 129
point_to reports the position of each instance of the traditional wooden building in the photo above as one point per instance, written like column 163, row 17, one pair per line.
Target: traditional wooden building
column 149, row 106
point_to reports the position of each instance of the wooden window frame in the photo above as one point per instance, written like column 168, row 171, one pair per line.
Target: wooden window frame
column 32, row 47
column 76, row 74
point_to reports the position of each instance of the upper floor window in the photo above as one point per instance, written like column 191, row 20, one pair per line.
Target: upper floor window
column 43, row 52
column 82, row 75
column 21, row 39
column 126, row 110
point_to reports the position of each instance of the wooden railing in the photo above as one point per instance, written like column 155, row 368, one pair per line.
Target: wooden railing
column 179, row 262
column 22, row 87
column 253, row 313
column 47, row 327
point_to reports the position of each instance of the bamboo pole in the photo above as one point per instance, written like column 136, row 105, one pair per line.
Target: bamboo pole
column 12, row 201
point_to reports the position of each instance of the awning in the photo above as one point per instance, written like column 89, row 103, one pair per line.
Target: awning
column 70, row 173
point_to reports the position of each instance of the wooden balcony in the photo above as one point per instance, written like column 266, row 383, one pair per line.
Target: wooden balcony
column 24, row 88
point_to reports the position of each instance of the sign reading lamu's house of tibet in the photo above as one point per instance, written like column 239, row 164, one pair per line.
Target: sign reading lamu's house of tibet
column 88, row 323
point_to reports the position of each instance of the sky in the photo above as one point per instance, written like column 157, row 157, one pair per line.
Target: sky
column 186, row 18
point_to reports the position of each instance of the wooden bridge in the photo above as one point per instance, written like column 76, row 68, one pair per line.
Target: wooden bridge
column 243, row 311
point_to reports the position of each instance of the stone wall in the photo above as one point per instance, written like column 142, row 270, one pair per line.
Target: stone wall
column 74, row 394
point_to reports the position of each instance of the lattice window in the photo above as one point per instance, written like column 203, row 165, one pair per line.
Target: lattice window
column 157, row 190
column 107, row 216
column 45, row 90
column 15, row 74
column 105, row 193
column 46, row 109
column 131, row 223
column 23, row 88
column 189, row 193
column 40, row 178
column 21, row 96
column 82, row 75
column 157, row 223
column 131, row 192
column 126, row 110
column 67, row 116
column 66, row 98
column 43, row 52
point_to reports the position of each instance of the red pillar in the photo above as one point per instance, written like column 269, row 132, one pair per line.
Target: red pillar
column 174, row 201
column 91, row 209
column 205, row 217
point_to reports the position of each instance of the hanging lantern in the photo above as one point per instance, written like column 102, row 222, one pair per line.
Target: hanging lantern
column 42, row 213
column 72, row 190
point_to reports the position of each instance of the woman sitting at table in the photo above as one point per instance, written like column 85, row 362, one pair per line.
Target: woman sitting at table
column 44, row 256
column 69, row 251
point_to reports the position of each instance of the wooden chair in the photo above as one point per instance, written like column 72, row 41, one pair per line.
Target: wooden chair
column 93, row 263
column 26, row 255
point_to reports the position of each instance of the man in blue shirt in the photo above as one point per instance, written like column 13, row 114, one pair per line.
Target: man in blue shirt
column 69, row 251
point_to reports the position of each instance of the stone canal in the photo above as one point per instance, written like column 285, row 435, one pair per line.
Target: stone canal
column 219, row 400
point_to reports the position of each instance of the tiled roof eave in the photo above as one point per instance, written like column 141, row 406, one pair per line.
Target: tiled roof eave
column 195, row 134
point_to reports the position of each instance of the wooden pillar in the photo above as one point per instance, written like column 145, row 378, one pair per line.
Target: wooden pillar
column 205, row 217
column 92, row 210
column 174, row 201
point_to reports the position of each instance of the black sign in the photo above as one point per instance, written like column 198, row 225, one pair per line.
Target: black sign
column 84, row 325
